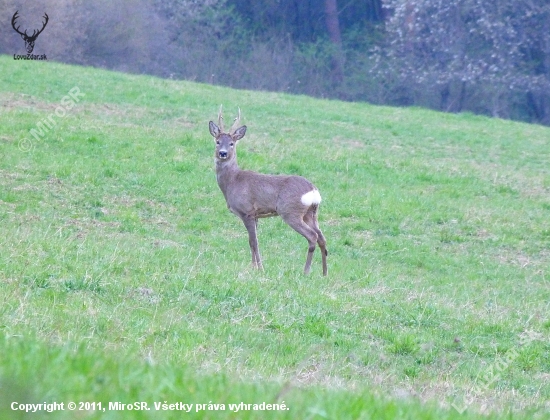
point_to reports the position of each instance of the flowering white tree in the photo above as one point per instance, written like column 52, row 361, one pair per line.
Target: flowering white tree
column 461, row 46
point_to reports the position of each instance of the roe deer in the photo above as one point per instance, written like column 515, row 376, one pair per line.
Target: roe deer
column 251, row 195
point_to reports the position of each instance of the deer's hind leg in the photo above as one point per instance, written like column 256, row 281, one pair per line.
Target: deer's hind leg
column 297, row 223
column 311, row 220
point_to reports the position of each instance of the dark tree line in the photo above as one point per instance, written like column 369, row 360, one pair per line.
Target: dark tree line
column 455, row 55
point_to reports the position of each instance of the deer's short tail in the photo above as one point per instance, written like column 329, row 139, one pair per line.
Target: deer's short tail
column 310, row 198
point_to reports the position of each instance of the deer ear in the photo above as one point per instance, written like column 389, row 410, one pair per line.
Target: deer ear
column 239, row 133
column 214, row 129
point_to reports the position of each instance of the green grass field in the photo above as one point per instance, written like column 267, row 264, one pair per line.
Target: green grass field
column 123, row 276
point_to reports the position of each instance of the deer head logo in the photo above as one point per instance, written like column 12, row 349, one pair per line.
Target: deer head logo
column 29, row 39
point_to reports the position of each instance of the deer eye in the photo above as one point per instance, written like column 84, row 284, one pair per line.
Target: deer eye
column 231, row 144
column 218, row 142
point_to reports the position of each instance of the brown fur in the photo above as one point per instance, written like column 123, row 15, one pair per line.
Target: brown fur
column 251, row 195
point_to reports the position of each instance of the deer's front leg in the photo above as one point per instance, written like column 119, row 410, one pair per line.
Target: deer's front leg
column 251, row 224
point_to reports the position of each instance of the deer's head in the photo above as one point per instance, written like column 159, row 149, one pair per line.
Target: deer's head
column 29, row 39
column 226, row 142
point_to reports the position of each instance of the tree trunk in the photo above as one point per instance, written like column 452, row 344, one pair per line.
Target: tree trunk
column 333, row 27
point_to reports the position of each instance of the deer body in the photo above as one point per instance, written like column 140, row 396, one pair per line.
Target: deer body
column 251, row 195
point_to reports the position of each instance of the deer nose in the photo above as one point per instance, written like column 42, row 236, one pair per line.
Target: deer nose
column 223, row 155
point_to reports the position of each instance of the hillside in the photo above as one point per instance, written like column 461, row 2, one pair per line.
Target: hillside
column 123, row 276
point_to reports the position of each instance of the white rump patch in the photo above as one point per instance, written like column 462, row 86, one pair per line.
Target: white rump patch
column 312, row 197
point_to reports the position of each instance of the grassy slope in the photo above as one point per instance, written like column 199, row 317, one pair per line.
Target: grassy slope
column 123, row 276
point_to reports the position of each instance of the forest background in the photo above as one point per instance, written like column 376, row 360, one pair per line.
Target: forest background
column 477, row 56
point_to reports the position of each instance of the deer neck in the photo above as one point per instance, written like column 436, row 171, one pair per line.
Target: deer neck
column 226, row 170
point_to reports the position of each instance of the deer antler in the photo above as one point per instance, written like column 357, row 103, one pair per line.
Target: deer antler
column 13, row 19
column 34, row 33
column 220, row 119
column 236, row 122
column 43, row 26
